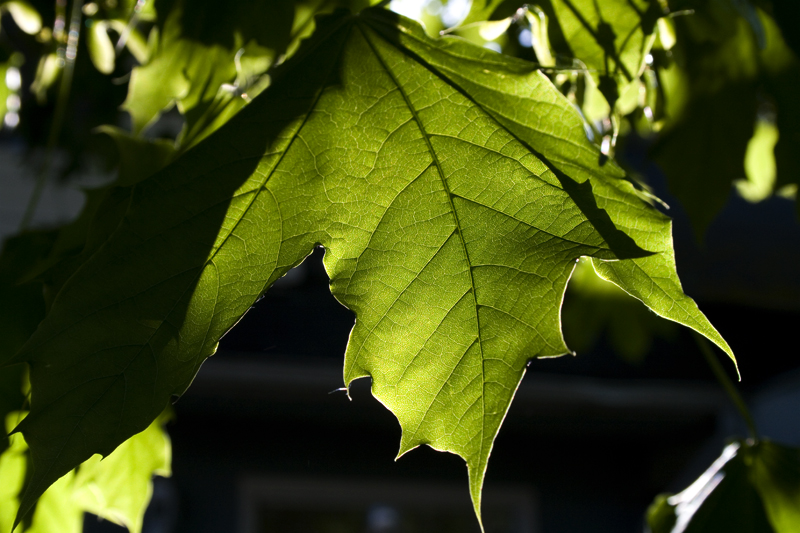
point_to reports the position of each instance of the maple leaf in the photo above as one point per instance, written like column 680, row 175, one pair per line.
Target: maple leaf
column 453, row 190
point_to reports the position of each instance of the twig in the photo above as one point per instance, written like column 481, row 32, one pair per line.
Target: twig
column 727, row 384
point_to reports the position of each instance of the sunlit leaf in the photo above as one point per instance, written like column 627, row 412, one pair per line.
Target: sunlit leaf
column 56, row 511
column 24, row 15
column 759, row 163
column 12, row 473
column 598, row 308
column 118, row 488
column 610, row 38
column 101, row 49
column 452, row 213
column 205, row 56
column 493, row 29
column 481, row 10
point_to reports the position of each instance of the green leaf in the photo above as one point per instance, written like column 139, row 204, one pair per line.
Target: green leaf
column 5, row 92
column 13, row 463
column 452, row 215
column 101, row 49
column 722, row 81
column 56, row 511
column 596, row 306
column 138, row 158
column 775, row 473
column 481, row 10
column 207, row 59
column 759, row 163
column 610, row 38
column 25, row 16
column 118, row 488
column 750, row 487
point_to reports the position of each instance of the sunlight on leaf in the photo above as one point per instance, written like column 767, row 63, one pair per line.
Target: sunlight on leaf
column 453, row 190
column 596, row 307
column 24, row 15
column 759, row 164
column 12, row 472
column 101, row 49
column 118, row 488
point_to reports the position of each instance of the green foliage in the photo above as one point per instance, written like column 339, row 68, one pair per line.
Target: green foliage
column 205, row 60
column 453, row 188
column 419, row 188
column 601, row 47
column 25, row 16
column 713, row 77
column 751, row 487
column 598, row 307
column 727, row 74
column 117, row 488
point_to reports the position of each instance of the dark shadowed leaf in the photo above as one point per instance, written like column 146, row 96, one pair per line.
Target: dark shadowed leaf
column 726, row 76
column 750, row 487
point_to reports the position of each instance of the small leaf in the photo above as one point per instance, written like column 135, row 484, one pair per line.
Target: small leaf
column 759, row 163
column 101, row 49
column 24, row 15
column 540, row 40
column 118, row 488
column 666, row 33
column 46, row 75
column 491, row 30
column 155, row 86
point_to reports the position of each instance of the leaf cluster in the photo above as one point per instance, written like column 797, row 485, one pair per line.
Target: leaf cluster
column 453, row 189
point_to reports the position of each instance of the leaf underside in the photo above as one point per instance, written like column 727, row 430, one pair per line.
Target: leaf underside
column 453, row 190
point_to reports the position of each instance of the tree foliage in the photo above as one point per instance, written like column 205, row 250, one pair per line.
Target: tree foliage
column 453, row 189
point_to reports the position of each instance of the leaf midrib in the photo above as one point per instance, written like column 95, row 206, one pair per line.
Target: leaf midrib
column 457, row 223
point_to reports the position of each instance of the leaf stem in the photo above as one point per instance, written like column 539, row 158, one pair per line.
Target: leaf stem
column 727, row 384
column 62, row 100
